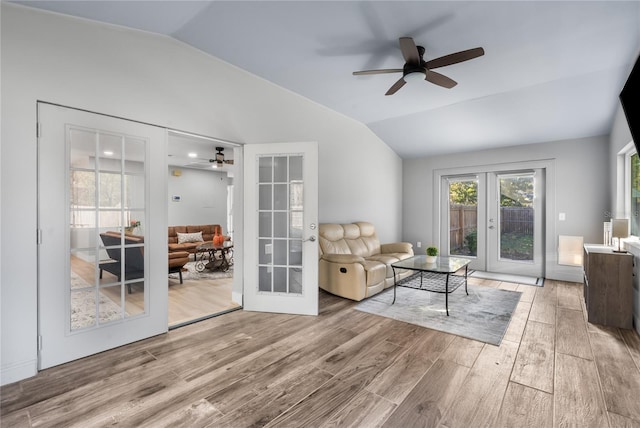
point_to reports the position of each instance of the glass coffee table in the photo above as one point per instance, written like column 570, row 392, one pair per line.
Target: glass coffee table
column 436, row 277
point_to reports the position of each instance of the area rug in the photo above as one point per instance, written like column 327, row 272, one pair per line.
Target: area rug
column 192, row 274
column 505, row 277
column 483, row 315
column 83, row 305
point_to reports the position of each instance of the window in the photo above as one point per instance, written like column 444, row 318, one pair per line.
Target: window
column 634, row 194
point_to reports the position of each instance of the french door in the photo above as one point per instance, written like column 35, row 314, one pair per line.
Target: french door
column 496, row 220
column 280, row 228
column 102, row 264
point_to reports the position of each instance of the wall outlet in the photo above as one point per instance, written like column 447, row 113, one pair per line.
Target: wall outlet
column 562, row 216
column 419, row 244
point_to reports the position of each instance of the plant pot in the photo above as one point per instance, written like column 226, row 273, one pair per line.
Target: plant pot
column 432, row 259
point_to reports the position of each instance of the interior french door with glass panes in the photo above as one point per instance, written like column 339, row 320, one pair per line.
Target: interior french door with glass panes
column 102, row 263
column 281, row 214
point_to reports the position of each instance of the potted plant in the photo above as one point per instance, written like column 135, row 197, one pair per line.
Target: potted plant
column 432, row 254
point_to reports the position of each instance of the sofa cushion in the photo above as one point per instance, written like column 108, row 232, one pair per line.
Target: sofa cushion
column 184, row 238
column 386, row 260
column 332, row 239
column 188, row 246
column 376, row 272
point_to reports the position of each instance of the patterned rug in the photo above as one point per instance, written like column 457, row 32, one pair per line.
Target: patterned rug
column 483, row 315
column 83, row 305
column 192, row 274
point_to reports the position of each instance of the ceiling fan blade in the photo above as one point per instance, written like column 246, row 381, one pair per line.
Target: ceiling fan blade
column 399, row 84
column 409, row 50
column 455, row 58
column 440, row 79
column 383, row 71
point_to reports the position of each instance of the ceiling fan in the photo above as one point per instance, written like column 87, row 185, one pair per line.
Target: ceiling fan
column 219, row 158
column 415, row 66
column 216, row 162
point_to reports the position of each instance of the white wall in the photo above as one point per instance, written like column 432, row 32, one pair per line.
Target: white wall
column 157, row 80
column 581, row 183
column 203, row 197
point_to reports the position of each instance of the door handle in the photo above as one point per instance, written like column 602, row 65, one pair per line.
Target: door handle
column 312, row 238
column 492, row 227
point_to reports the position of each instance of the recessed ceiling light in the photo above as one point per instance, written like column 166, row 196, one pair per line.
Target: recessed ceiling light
column 108, row 153
column 193, row 155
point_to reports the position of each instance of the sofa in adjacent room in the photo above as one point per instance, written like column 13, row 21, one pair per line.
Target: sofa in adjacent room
column 353, row 264
column 188, row 238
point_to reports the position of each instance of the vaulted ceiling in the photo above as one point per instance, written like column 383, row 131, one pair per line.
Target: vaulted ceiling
column 552, row 70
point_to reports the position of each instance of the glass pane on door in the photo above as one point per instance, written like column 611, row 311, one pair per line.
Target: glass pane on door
column 280, row 190
column 516, row 216
column 463, row 217
column 106, row 208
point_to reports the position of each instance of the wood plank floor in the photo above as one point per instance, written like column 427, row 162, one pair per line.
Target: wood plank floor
column 353, row 369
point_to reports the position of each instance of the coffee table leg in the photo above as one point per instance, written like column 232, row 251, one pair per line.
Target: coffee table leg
column 446, row 295
column 394, row 284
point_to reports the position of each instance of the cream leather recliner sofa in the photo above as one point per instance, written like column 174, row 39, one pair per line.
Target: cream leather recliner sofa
column 353, row 263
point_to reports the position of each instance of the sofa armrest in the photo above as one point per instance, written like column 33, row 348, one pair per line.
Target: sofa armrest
column 397, row 247
column 342, row 258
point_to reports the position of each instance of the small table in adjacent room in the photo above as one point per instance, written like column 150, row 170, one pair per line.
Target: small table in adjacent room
column 436, row 277
column 214, row 257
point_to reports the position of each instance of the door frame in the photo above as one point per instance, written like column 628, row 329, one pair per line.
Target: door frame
column 548, row 165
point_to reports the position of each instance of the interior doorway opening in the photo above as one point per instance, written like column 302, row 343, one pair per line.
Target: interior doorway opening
column 201, row 173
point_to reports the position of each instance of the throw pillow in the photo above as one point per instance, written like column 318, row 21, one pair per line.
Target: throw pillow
column 183, row 238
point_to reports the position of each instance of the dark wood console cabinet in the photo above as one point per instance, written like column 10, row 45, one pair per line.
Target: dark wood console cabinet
column 608, row 286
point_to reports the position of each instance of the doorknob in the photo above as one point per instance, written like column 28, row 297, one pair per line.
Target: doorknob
column 312, row 238
column 492, row 227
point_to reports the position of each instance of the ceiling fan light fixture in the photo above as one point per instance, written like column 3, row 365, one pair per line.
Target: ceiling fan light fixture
column 415, row 76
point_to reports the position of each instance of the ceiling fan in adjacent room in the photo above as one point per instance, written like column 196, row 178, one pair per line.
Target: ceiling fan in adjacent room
column 416, row 68
column 218, row 161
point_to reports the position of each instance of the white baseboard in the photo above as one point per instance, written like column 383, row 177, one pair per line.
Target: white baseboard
column 565, row 273
column 11, row 373
column 236, row 297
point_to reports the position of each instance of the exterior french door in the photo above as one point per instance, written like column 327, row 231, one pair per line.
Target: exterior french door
column 496, row 220
column 281, row 215
column 514, row 230
column 102, row 264
column 464, row 209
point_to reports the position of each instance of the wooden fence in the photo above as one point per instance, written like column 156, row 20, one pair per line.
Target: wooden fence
column 463, row 219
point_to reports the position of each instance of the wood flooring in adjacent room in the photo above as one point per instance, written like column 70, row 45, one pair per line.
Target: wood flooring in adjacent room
column 349, row 368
